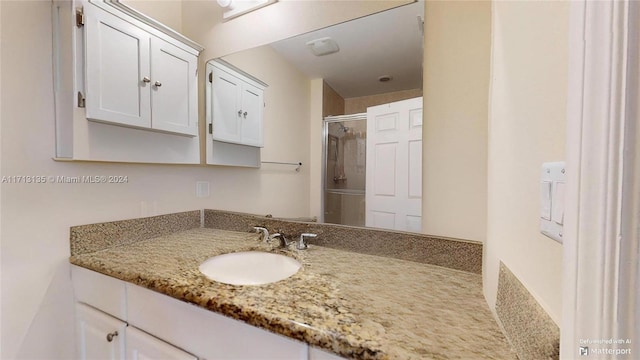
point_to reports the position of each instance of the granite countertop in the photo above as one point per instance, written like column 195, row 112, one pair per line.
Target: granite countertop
column 355, row 305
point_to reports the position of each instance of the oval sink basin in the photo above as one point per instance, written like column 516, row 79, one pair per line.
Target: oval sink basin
column 249, row 268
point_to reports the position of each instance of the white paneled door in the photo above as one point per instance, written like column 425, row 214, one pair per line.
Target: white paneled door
column 394, row 166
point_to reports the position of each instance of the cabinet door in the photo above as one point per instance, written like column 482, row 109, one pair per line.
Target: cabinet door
column 252, row 109
column 100, row 336
column 142, row 346
column 226, row 92
column 117, row 63
column 174, row 89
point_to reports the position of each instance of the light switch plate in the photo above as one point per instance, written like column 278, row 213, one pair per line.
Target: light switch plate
column 545, row 200
column 552, row 204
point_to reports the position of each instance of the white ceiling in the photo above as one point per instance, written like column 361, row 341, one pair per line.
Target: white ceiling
column 386, row 43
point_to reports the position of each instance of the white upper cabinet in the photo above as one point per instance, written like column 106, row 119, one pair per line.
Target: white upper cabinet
column 137, row 79
column 252, row 115
column 117, row 63
column 236, row 105
column 174, row 88
column 126, row 86
column 226, row 95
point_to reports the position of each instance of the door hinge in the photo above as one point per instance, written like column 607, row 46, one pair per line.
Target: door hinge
column 210, row 128
column 211, row 77
column 79, row 16
column 81, row 100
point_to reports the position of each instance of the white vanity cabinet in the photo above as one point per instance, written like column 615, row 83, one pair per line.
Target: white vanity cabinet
column 102, row 329
column 317, row 354
column 142, row 346
column 99, row 336
column 136, row 78
column 236, row 102
column 156, row 326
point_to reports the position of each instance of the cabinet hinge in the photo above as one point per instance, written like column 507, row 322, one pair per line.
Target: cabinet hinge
column 210, row 128
column 81, row 100
column 79, row 16
column 211, row 77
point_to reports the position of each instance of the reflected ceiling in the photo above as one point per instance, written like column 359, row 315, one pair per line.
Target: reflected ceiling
column 384, row 44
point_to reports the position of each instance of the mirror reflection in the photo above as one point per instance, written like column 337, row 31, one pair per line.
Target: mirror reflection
column 345, row 170
column 384, row 46
column 370, row 61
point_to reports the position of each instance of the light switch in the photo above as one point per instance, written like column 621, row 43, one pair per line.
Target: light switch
column 558, row 202
column 545, row 200
column 552, row 191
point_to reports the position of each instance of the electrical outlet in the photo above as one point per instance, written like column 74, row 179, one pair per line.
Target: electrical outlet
column 202, row 189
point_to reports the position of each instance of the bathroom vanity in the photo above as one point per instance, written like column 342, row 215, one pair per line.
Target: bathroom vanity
column 340, row 304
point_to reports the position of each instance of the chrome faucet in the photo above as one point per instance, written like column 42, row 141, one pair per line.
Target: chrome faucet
column 302, row 244
column 283, row 240
column 264, row 231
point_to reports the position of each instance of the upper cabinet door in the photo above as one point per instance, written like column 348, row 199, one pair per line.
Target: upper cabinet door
column 227, row 114
column 174, row 88
column 252, row 110
column 117, row 70
column 235, row 105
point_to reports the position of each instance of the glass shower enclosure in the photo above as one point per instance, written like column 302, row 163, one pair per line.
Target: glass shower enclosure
column 344, row 149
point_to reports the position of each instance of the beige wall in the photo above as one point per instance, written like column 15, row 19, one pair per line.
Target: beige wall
column 456, row 83
column 315, row 148
column 332, row 102
column 36, row 303
column 286, row 116
column 168, row 12
column 360, row 104
column 526, row 128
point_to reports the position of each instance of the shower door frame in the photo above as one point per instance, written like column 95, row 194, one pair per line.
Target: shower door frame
column 325, row 137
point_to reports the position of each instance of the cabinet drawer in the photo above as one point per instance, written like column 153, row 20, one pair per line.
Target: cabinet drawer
column 100, row 291
column 204, row 333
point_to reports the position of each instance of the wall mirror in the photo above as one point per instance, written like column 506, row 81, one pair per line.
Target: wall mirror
column 364, row 62
column 379, row 60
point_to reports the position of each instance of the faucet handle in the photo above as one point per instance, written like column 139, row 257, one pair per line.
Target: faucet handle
column 302, row 244
column 264, row 231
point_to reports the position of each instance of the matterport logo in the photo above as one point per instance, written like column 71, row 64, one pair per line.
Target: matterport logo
column 619, row 347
